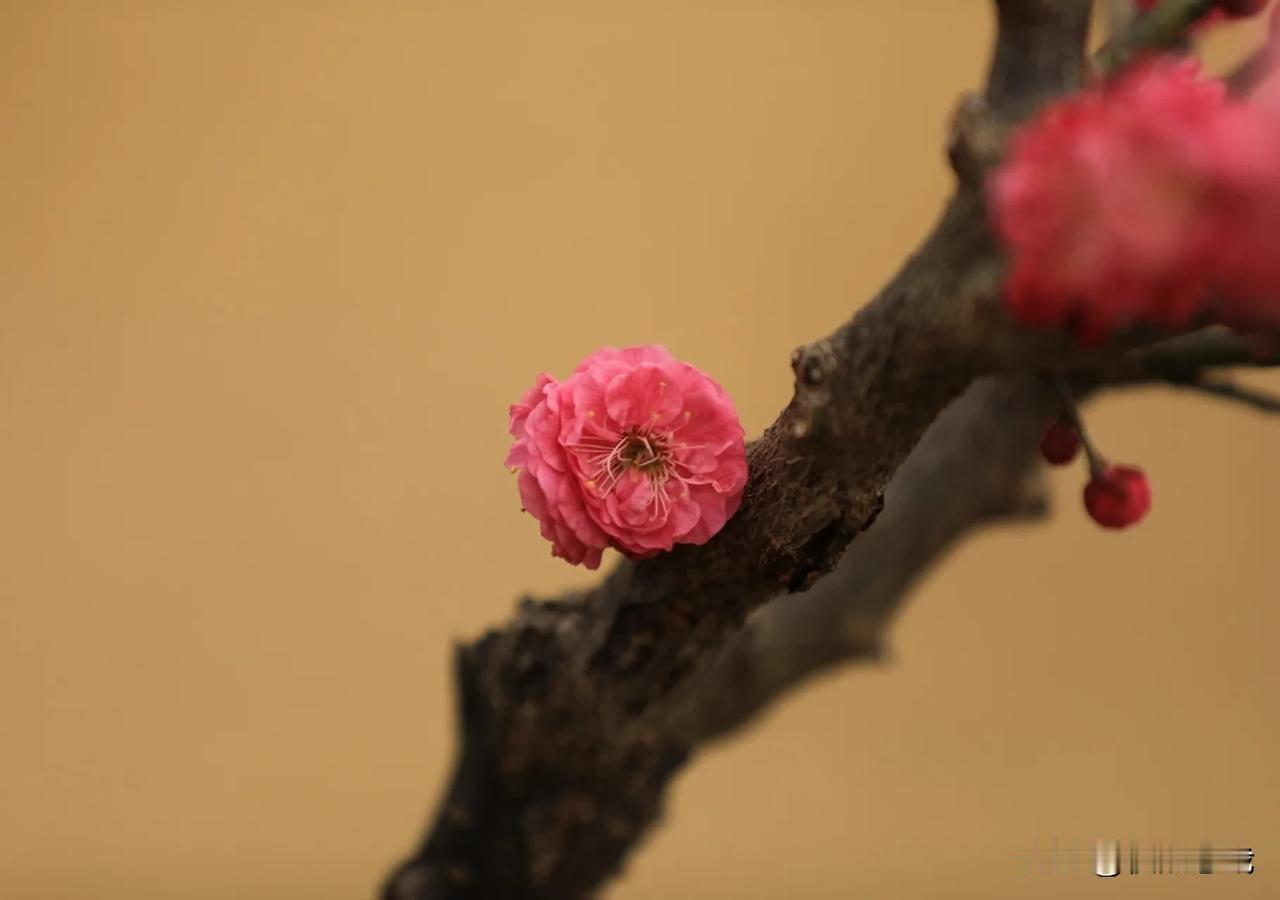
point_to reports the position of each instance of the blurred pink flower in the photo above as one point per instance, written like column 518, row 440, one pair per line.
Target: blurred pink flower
column 635, row 450
column 1143, row 201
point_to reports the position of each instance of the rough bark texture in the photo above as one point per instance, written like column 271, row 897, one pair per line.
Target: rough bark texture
column 976, row 465
column 576, row 713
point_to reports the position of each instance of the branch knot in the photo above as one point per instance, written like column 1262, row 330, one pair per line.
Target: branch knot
column 814, row 365
column 975, row 140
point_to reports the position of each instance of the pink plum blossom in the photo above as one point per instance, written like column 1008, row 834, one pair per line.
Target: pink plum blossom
column 635, row 450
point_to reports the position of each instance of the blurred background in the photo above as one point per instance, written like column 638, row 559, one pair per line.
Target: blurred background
column 270, row 274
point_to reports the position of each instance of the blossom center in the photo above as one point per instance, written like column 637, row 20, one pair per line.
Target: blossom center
column 646, row 452
column 637, row 449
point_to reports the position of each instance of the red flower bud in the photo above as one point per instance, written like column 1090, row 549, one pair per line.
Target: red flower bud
column 1118, row 497
column 1059, row 444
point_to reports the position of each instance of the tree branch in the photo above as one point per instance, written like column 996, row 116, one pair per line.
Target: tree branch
column 576, row 713
column 1120, row 15
column 977, row 465
column 1039, row 53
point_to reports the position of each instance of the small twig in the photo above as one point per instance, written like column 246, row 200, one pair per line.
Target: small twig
column 1186, row 361
column 1070, row 413
column 1163, row 28
column 1229, row 390
column 1184, row 358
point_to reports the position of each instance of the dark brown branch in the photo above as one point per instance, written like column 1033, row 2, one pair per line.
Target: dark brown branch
column 1120, row 15
column 571, row 713
column 575, row 714
column 574, row 708
column 1038, row 53
column 977, row 465
column 1189, row 355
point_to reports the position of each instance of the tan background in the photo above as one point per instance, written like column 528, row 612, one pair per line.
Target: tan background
column 270, row 273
